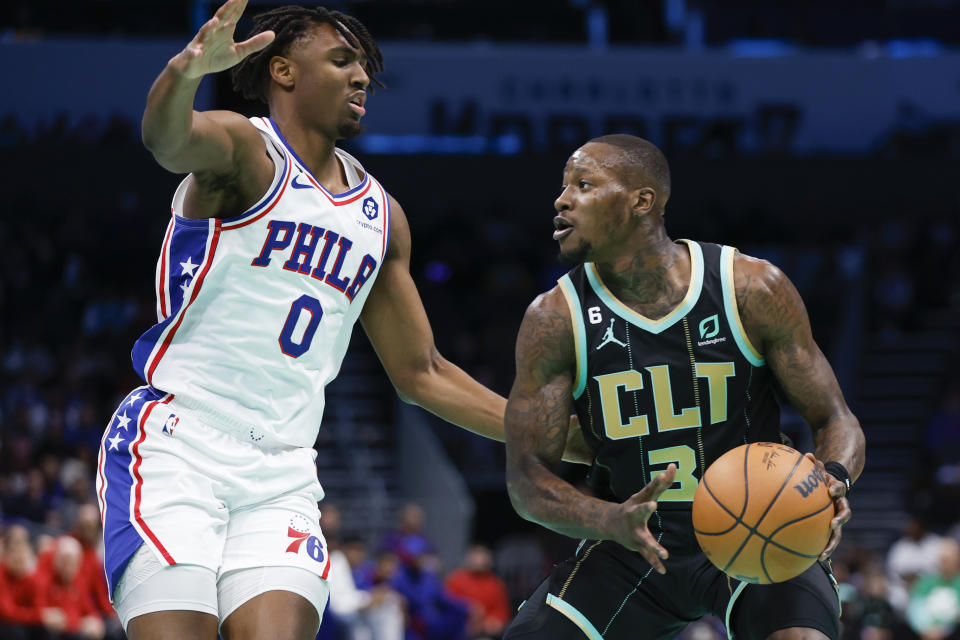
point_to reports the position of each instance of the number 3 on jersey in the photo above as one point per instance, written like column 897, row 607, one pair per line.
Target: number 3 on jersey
column 290, row 346
column 686, row 460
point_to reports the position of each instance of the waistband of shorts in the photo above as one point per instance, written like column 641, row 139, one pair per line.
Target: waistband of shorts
column 238, row 429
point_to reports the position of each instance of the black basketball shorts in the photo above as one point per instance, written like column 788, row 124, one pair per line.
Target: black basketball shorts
column 607, row 592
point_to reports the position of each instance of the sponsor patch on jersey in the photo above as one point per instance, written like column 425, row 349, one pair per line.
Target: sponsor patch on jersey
column 370, row 208
column 709, row 328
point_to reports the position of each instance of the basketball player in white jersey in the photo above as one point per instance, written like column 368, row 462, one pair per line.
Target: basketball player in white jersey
column 277, row 243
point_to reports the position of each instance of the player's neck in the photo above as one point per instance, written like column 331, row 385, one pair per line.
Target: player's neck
column 316, row 150
column 656, row 270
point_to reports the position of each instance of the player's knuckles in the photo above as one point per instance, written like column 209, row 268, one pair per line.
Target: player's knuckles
column 837, row 489
column 844, row 516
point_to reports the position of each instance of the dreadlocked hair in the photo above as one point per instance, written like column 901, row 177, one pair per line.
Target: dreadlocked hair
column 291, row 23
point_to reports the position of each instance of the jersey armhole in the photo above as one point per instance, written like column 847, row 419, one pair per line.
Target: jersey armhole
column 732, row 312
column 281, row 172
column 579, row 333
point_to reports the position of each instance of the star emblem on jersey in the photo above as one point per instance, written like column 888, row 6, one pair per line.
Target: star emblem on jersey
column 370, row 208
column 608, row 337
column 115, row 442
column 133, row 398
column 123, row 421
column 188, row 267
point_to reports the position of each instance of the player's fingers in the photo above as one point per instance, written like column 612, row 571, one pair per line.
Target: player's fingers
column 843, row 513
column 230, row 20
column 227, row 9
column 831, row 543
column 663, row 481
column 652, row 552
column 836, row 488
column 643, row 511
column 660, row 483
column 205, row 30
column 254, row 44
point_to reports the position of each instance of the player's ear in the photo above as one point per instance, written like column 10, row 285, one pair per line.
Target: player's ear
column 643, row 200
column 283, row 72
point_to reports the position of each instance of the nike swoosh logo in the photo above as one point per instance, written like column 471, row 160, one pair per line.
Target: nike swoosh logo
column 296, row 185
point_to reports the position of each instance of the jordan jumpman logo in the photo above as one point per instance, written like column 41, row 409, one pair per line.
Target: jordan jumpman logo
column 609, row 337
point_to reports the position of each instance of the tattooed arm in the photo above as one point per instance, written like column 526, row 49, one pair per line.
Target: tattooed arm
column 776, row 322
column 537, row 422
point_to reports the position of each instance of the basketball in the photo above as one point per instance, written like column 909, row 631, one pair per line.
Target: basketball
column 762, row 513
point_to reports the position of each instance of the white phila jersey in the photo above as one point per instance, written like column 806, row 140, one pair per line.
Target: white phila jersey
column 255, row 312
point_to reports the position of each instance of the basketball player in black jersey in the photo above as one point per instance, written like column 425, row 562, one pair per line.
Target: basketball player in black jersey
column 668, row 352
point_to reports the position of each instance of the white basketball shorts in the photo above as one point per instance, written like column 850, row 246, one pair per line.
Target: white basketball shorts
column 221, row 498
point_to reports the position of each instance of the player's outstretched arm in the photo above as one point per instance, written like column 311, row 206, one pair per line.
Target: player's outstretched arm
column 396, row 323
column 773, row 312
column 183, row 140
column 537, row 428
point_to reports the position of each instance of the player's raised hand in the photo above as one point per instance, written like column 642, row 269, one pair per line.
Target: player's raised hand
column 629, row 527
column 213, row 48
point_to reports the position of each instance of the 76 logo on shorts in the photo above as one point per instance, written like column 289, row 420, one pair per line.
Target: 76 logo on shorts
column 313, row 546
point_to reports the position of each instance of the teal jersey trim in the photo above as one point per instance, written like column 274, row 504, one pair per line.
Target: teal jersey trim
column 733, row 599
column 575, row 616
column 580, row 332
column 731, row 311
column 664, row 323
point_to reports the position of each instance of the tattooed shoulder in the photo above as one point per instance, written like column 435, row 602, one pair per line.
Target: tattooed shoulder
column 545, row 340
column 770, row 306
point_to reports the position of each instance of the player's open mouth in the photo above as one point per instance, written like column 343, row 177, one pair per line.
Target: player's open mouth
column 356, row 106
column 562, row 228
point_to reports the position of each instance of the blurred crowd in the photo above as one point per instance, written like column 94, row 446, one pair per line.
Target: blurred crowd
column 913, row 592
column 52, row 586
column 399, row 590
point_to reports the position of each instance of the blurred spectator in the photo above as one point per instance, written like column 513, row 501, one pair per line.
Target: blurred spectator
column 407, row 541
column 942, row 455
column 934, row 609
column 916, row 553
column 33, row 502
column 86, row 529
column 893, row 297
column 477, row 584
column 366, row 572
column 434, row 615
column 707, row 628
column 869, row 614
column 522, row 563
column 19, row 608
column 67, row 608
column 375, row 613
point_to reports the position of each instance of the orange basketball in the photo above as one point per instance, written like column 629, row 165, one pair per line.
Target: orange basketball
column 762, row 513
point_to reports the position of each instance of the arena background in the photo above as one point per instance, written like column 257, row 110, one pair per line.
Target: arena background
column 822, row 136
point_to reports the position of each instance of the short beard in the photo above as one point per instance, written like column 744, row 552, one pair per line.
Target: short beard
column 348, row 130
column 577, row 256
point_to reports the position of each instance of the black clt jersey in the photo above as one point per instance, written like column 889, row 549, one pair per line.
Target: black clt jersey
column 684, row 389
